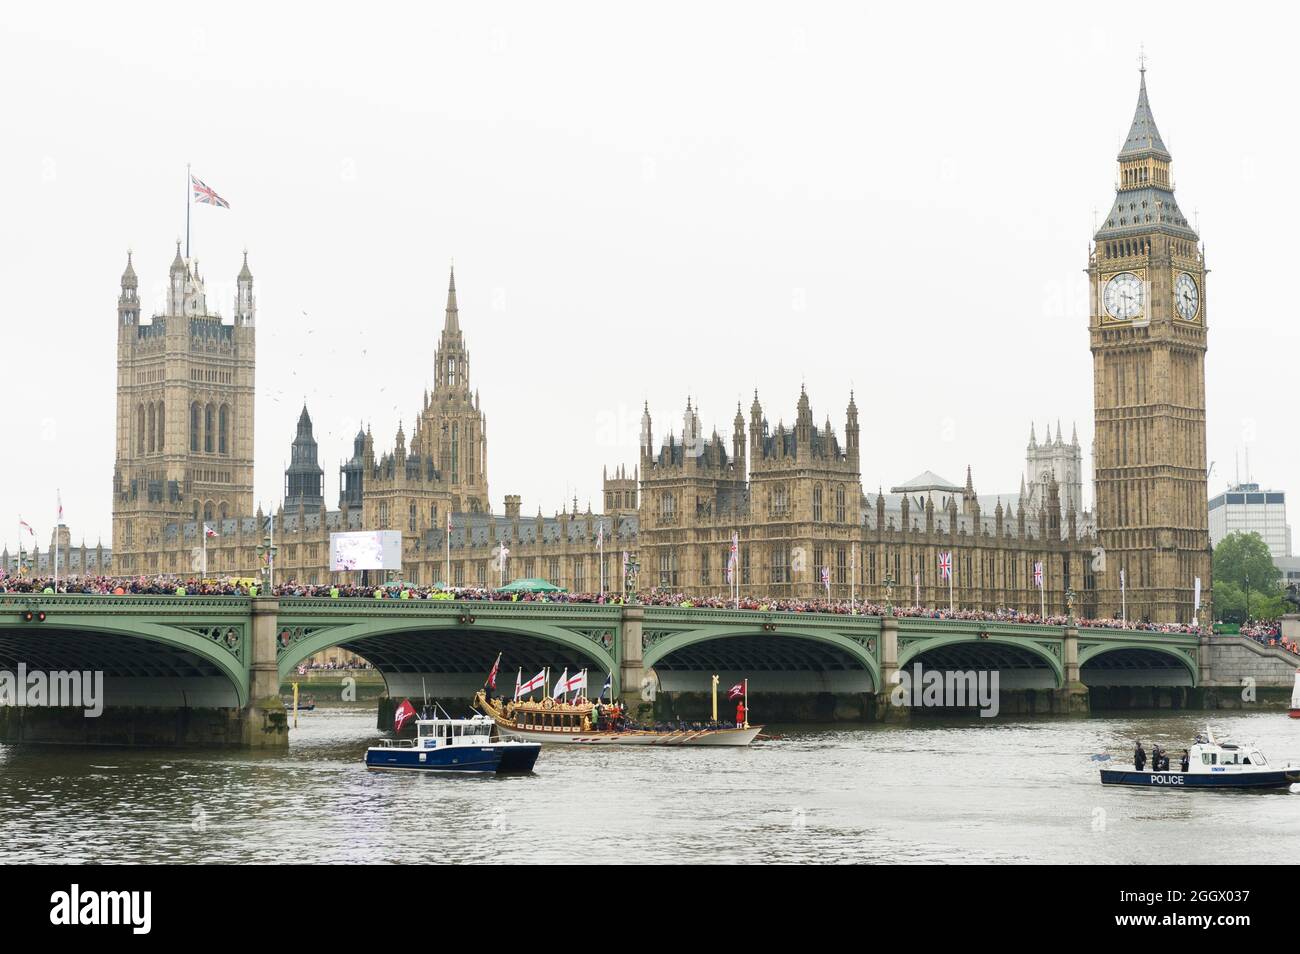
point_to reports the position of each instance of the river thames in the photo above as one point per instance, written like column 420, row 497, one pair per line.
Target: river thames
column 932, row 791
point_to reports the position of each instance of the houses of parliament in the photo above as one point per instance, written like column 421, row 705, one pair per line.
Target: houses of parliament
column 791, row 494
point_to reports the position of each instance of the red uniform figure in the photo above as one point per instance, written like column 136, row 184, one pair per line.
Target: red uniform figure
column 740, row 713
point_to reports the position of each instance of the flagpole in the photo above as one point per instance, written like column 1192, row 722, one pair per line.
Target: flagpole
column 189, row 201
column 952, row 571
column 447, row 576
column 853, row 579
column 1042, row 594
column 203, row 533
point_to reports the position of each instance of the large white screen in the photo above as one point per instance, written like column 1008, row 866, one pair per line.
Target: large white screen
column 366, row 550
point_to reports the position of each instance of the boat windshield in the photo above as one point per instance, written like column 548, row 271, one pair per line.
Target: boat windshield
column 1257, row 758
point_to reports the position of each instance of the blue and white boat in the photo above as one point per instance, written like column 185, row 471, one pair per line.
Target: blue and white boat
column 453, row 745
column 1212, row 764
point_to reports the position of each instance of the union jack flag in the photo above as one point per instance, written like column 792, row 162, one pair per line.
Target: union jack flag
column 1038, row 575
column 205, row 194
column 945, row 565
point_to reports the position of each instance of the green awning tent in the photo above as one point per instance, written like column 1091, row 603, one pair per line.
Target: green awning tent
column 530, row 585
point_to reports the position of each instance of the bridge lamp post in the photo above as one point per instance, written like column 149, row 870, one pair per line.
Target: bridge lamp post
column 266, row 552
column 629, row 579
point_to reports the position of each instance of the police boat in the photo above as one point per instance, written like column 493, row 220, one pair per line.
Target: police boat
column 444, row 744
column 1212, row 764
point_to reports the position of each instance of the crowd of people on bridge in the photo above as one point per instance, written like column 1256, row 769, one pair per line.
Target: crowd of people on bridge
column 1268, row 633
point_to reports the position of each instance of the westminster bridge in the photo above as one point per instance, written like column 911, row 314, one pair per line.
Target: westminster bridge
column 207, row 670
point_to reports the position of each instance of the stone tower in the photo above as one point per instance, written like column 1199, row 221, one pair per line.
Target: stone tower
column 185, row 386
column 451, row 427
column 1053, row 459
column 304, row 476
column 1148, row 340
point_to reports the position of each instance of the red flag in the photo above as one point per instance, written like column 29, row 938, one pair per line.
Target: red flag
column 404, row 714
column 736, row 691
column 492, row 676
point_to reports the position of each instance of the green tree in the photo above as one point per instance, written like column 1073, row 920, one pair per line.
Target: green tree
column 1243, row 568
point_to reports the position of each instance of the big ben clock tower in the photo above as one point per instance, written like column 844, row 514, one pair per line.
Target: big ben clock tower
column 1147, row 331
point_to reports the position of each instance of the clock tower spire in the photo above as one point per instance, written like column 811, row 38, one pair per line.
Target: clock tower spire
column 1148, row 338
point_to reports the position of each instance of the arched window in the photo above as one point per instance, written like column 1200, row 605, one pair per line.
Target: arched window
column 225, row 510
column 207, row 512
column 152, row 428
column 162, row 430
column 139, row 429
column 195, row 426
column 223, row 430
column 817, row 502
column 209, row 425
column 411, row 521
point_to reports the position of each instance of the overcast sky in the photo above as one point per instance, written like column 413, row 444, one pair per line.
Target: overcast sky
column 643, row 203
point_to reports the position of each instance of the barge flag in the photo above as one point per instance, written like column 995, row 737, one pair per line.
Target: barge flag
column 736, row 691
column 492, row 676
column 404, row 714
column 561, row 685
column 532, row 685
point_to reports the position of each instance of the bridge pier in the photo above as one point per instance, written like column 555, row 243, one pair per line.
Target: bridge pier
column 631, row 670
column 265, row 724
column 886, row 711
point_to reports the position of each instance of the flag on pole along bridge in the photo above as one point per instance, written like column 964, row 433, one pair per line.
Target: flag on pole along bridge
column 27, row 526
column 59, row 495
column 1038, row 575
column 205, row 194
column 209, row 532
column 945, row 564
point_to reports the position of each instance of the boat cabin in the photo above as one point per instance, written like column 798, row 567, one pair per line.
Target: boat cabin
column 1206, row 757
column 433, row 733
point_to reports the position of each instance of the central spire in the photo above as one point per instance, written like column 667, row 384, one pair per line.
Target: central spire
column 453, row 313
column 1143, row 136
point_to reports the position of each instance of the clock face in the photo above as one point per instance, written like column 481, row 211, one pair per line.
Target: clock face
column 1123, row 296
column 1186, row 297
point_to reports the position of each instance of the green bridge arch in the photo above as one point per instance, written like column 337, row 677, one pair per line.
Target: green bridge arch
column 214, row 630
column 1089, row 652
column 911, row 646
column 312, row 626
column 861, row 648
